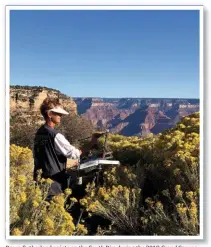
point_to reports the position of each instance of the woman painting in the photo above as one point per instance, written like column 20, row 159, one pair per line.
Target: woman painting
column 51, row 148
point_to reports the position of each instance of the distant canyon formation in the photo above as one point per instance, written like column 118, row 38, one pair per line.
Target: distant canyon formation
column 125, row 116
column 132, row 116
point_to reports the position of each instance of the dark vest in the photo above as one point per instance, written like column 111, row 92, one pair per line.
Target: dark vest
column 47, row 157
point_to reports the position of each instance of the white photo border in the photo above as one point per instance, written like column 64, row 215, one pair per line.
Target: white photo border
column 200, row 8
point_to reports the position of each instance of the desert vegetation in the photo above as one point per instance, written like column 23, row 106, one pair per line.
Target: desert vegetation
column 74, row 127
column 155, row 190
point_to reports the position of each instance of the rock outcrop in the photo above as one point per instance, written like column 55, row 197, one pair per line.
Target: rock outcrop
column 25, row 101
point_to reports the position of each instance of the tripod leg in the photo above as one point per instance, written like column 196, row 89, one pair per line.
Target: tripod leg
column 82, row 210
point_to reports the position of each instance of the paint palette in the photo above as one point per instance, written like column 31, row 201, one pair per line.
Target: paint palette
column 97, row 163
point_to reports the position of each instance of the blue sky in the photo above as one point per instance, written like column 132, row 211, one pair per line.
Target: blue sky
column 103, row 53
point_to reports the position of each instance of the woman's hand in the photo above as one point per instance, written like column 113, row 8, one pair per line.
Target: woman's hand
column 71, row 163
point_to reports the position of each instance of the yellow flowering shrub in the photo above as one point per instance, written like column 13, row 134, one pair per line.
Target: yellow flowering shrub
column 168, row 166
column 20, row 155
column 81, row 230
column 155, row 191
column 30, row 212
column 176, row 215
column 173, row 171
column 119, row 204
column 117, row 200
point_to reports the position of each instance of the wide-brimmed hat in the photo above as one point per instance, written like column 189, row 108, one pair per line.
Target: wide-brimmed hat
column 59, row 110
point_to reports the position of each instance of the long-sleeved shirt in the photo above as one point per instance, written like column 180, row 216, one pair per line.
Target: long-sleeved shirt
column 65, row 147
